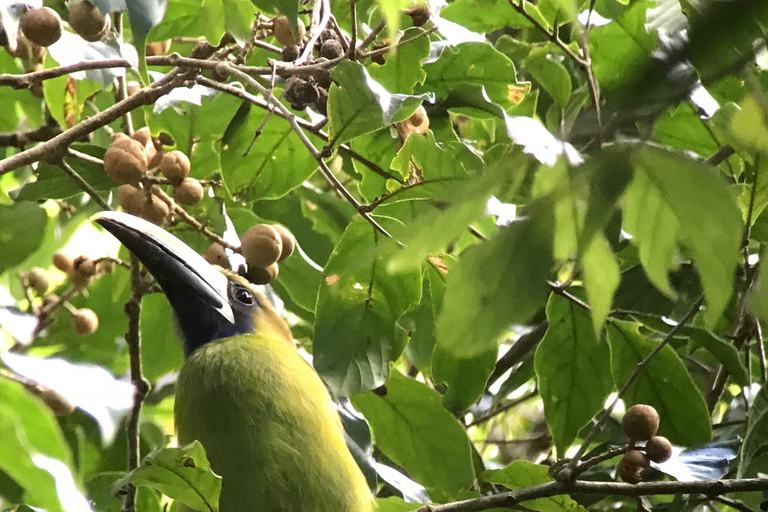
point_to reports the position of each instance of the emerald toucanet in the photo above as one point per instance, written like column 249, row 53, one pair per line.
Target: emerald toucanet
column 265, row 418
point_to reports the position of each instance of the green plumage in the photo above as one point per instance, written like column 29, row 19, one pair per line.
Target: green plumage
column 269, row 428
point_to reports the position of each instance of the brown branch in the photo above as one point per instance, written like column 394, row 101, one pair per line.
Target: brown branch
column 502, row 407
column 69, row 171
column 552, row 36
column 22, row 138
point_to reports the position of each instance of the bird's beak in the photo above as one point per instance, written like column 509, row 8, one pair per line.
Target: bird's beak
column 194, row 287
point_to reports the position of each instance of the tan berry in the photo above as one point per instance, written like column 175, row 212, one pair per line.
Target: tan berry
column 62, row 262
column 628, row 472
column 49, row 300
column 125, row 160
column 331, row 49
column 155, row 210
column 258, row 275
column 640, row 422
column 37, row 279
column 284, row 34
column 158, row 48
column 261, row 246
column 188, row 192
column 130, row 198
column 289, row 241
column 419, row 14
column 83, row 268
column 85, row 321
column 41, row 26
column 88, row 21
column 142, row 136
column 658, row 449
column 175, row 166
column 216, row 255
column 418, row 123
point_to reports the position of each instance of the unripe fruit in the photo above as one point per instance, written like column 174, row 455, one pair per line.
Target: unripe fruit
column 640, row 422
column 62, row 262
column 88, row 21
column 159, row 48
column 83, row 268
column 37, row 279
column 289, row 241
column 85, row 321
column 188, row 192
column 155, row 210
column 283, row 33
column 41, row 26
column 290, row 53
column 216, row 255
column 261, row 246
column 658, row 449
column 175, row 166
column 129, row 198
column 331, row 49
column 125, row 160
column 258, row 275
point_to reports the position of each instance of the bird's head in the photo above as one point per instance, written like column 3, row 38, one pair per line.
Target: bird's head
column 210, row 302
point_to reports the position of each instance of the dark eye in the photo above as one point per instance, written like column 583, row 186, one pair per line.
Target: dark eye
column 244, row 297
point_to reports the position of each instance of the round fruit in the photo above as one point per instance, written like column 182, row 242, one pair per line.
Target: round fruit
column 155, row 210
column 129, row 198
column 175, row 166
column 84, row 267
column 88, row 21
column 658, row 449
column 417, row 123
column 216, row 255
column 291, row 53
column 159, row 48
column 261, row 246
column 49, row 300
column 41, row 26
column 188, row 192
column 125, row 160
column 258, row 275
column 419, row 15
column 327, row 34
column 322, row 76
column 284, row 34
column 640, row 422
column 321, row 104
column 301, row 93
column 289, row 241
column 37, row 279
column 331, row 49
column 628, row 472
column 85, row 321
column 62, row 262
column 143, row 136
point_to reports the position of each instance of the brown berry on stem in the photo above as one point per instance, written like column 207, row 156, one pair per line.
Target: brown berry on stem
column 175, row 166
column 289, row 241
column 155, row 210
column 630, row 473
column 261, row 246
column 216, row 255
column 41, row 26
column 284, row 34
column 158, row 48
column 88, row 21
column 125, row 160
column 658, row 449
column 129, row 198
column 188, row 192
column 62, row 262
column 258, row 275
column 640, row 422
column 85, row 321
column 49, row 300
column 37, row 279
column 290, row 53
column 419, row 14
column 84, row 268
column 331, row 49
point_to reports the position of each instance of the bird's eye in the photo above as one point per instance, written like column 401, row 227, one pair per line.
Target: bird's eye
column 243, row 296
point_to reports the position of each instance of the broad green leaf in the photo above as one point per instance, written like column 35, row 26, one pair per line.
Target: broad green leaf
column 721, row 350
column 486, row 16
column 403, row 69
column 754, row 446
column 748, row 125
column 601, row 278
column 33, row 450
column 103, row 499
column 145, row 14
column 183, row 18
column 573, row 371
column 160, row 355
column 412, row 428
column 521, row 474
column 358, row 104
column 183, row 474
column 22, row 226
column 392, row 10
column 238, row 15
column 395, row 504
column 495, row 284
column 465, row 377
column 559, row 12
column 692, row 197
column 551, row 75
column 277, row 163
column 421, row 321
column 664, row 384
column 356, row 331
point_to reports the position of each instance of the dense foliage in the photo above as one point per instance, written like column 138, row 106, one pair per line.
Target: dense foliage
column 514, row 220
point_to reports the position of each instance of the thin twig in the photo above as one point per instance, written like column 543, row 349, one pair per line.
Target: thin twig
column 552, row 36
column 502, row 407
column 321, row 13
column 352, row 52
column 761, row 352
column 69, row 171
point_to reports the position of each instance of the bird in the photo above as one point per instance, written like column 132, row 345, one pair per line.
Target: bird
column 266, row 420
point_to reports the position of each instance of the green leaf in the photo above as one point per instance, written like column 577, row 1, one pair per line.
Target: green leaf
column 33, row 450
column 403, row 69
column 465, row 377
column 601, row 278
column 160, row 355
column 277, row 163
column 664, row 384
column 551, row 75
column 722, row 350
column 238, row 15
column 358, row 104
column 395, row 504
column 495, row 284
column 413, row 429
column 486, row 16
column 687, row 199
column 183, row 474
column 392, row 10
column 22, row 227
column 521, row 474
column 356, row 336
column 754, row 446
column 573, row 370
